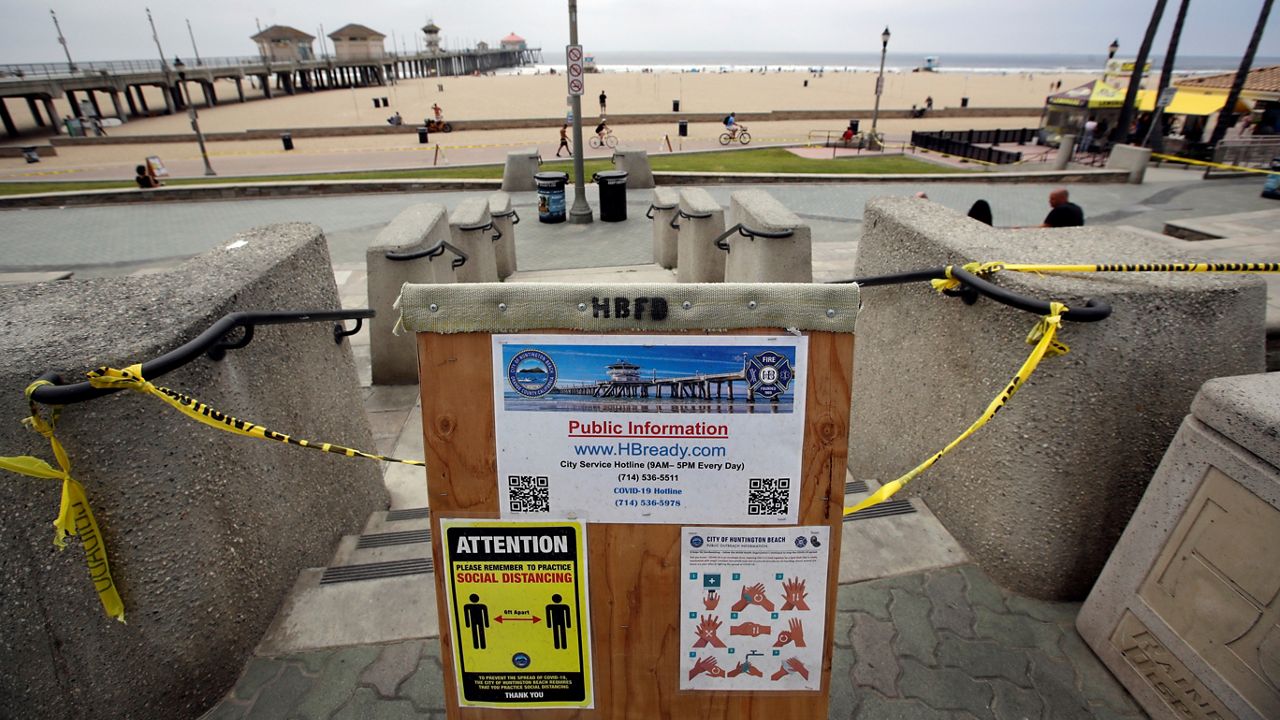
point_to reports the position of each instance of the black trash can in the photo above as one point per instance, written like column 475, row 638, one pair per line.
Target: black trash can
column 684, row 128
column 1270, row 190
column 675, row 106
column 29, row 152
column 613, row 195
column 551, row 196
column 422, row 135
column 964, row 102
column 853, row 126
column 287, row 140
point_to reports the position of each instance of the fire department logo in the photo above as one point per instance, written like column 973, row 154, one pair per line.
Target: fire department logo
column 769, row 374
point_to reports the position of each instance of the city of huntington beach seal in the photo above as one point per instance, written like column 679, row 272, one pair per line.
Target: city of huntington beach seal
column 531, row 373
column 769, row 374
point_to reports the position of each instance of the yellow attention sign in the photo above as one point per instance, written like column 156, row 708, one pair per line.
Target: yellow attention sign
column 517, row 595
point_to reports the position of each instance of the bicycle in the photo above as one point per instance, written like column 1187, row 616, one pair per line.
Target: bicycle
column 739, row 133
column 608, row 141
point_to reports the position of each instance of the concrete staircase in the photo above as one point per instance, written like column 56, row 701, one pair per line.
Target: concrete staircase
column 377, row 588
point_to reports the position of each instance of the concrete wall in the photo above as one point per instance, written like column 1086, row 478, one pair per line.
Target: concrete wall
column 760, row 259
column 1184, row 612
column 1131, row 158
column 206, row 531
column 1040, row 495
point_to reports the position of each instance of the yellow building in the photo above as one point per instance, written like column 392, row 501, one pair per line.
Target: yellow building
column 1261, row 90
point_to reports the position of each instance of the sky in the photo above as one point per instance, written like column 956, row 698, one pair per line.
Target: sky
column 118, row 30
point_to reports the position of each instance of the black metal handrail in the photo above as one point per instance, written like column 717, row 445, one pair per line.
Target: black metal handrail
column 750, row 233
column 431, row 252
column 497, row 232
column 515, row 218
column 649, row 213
column 680, row 213
column 212, row 342
column 972, row 285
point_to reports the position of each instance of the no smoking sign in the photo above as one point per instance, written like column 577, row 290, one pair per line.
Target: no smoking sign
column 573, row 56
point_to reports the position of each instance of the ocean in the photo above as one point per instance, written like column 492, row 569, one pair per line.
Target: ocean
column 779, row 61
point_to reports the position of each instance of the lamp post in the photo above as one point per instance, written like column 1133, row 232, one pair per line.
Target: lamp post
column 71, row 66
column 181, row 67
column 875, row 114
column 194, row 49
column 580, row 213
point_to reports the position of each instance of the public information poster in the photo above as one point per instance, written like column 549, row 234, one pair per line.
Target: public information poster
column 650, row 428
column 517, row 594
column 753, row 608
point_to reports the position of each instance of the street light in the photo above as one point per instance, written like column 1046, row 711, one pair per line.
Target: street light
column 181, row 67
column 875, row 114
column 580, row 212
column 71, row 66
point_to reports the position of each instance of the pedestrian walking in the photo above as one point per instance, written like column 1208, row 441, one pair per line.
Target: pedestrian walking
column 564, row 140
column 603, row 98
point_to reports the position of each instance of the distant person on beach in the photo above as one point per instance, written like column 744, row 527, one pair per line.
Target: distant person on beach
column 395, row 119
column 439, row 113
column 144, row 178
column 928, row 103
column 603, row 98
column 1064, row 213
column 564, row 140
column 981, row 211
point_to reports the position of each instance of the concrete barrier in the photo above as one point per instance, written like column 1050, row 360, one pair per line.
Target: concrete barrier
column 1066, row 149
column 472, row 230
column 517, row 174
column 206, row 531
column 1131, row 158
column 504, row 223
column 758, row 257
column 417, row 227
column 1184, row 613
column 666, row 201
column 1040, row 495
column 636, row 164
column 700, row 220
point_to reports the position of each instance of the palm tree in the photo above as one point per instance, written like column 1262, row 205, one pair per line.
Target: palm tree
column 1166, row 76
column 1121, row 131
column 1227, row 117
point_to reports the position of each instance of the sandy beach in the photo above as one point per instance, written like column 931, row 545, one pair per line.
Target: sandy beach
column 534, row 96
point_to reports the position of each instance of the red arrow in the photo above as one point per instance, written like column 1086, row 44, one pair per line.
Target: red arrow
column 502, row 618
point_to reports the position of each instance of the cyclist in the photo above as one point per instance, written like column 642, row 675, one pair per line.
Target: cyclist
column 602, row 130
column 731, row 124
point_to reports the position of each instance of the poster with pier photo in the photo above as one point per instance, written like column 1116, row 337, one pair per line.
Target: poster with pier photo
column 650, row 428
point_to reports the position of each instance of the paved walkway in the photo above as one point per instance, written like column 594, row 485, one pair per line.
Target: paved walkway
column 947, row 643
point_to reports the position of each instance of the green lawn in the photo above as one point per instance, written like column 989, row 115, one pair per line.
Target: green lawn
column 766, row 160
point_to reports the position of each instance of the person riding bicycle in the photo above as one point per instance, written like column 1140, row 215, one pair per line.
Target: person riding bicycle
column 602, row 129
column 731, row 124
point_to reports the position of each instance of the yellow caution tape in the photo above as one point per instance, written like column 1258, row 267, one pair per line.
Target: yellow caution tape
column 74, row 514
column 1042, row 335
column 131, row 379
column 1205, row 163
column 992, row 267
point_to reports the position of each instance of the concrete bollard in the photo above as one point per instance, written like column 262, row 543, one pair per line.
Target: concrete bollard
column 504, row 225
column 759, row 257
column 1040, row 495
column 418, row 227
column 1188, row 587
column 666, row 201
column 1066, row 148
column 517, row 174
column 636, row 164
column 700, row 220
column 1131, row 158
column 472, row 230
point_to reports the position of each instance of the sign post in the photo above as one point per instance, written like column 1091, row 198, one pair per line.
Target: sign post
column 647, row 510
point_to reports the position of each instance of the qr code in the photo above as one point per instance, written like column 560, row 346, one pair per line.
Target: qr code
column 529, row 493
column 768, row 496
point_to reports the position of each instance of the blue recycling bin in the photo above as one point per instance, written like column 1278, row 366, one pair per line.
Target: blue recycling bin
column 551, row 204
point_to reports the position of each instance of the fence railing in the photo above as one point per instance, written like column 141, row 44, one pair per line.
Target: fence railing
column 1254, row 152
column 972, row 144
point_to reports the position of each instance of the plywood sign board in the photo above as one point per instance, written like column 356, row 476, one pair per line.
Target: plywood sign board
column 511, row 410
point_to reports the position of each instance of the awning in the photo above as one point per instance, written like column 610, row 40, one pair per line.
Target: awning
column 1092, row 95
column 1186, row 102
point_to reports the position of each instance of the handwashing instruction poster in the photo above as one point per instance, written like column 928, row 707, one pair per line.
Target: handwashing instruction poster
column 753, row 608
column 650, row 428
column 519, row 611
